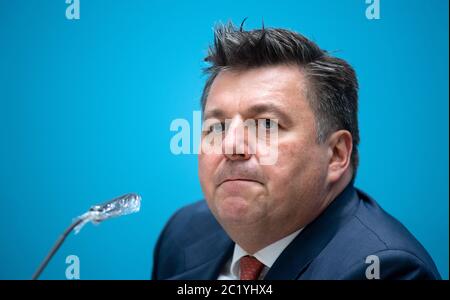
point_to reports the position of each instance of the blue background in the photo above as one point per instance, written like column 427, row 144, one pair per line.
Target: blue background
column 86, row 105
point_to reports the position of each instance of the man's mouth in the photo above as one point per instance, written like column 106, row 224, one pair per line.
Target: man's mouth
column 239, row 180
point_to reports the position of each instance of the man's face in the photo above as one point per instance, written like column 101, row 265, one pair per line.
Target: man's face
column 239, row 189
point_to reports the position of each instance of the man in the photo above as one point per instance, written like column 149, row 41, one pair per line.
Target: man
column 299, row 217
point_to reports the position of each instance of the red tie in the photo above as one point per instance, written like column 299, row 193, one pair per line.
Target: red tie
column 250, row 268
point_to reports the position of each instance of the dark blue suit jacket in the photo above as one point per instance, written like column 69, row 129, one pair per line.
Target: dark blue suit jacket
column 334, row 246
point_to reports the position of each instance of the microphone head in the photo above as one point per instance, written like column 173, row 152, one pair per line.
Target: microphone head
column 120, row 206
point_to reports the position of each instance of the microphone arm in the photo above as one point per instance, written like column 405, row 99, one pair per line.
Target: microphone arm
column 55, row 248
column 123, row 205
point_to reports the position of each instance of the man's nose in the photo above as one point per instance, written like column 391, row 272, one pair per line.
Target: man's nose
column 235, row 145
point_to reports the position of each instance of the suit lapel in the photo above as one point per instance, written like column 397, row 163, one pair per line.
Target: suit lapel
column 205, row 258
column 308, row 244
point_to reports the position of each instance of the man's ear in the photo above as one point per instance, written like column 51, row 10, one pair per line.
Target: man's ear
column 340, row 146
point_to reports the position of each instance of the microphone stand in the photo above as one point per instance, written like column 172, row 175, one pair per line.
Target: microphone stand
column 55, row 248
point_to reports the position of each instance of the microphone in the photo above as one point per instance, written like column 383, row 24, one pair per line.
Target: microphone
column 120, row 206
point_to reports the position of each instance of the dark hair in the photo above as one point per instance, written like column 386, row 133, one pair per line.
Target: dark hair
column 332, row 87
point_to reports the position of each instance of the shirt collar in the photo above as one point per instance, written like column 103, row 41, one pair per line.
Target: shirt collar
column 267, row 255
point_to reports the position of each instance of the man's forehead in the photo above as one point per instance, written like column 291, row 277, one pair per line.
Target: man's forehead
column 272, row 89
column 275, row 78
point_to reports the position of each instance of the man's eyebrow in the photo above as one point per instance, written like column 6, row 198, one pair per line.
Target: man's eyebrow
column 216, row 113
column 254, row 110
column 268, row 108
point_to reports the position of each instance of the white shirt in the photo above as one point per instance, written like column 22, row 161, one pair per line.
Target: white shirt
column 267, row 256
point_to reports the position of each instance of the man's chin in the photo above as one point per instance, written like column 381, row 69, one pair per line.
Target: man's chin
column 236, row 210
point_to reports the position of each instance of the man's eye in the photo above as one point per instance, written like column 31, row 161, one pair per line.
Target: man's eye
column 269, row 124
column 217, row 128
